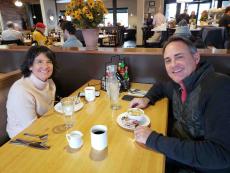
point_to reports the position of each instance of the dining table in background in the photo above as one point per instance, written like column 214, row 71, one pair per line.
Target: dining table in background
column 122, row 155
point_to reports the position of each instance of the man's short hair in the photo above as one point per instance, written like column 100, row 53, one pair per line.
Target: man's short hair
column 192, row 48
column 10, row 24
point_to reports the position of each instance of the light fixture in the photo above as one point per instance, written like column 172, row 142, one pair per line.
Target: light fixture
column 51, row 18
column 18, row 3
column 33, row 14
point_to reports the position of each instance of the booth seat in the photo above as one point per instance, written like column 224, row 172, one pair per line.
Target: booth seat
column 77, row 66
column 6, row 80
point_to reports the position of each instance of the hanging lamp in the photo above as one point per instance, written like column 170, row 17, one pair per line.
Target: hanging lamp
column 18, row 3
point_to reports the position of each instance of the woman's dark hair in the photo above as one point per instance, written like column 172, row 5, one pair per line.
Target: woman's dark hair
column 190, row 45
column 32, row 53
column 69, row 27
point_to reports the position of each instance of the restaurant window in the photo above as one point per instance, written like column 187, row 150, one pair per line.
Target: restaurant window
column 203, row 6
column 214, row 3
column 122, row 17
column 225, row 3
column 182, row 8
column 192, row 7
column 170, row 11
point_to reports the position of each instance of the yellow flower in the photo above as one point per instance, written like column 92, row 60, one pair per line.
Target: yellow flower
column 78, row 2
column 85, row 10
column 90, row 3
column 77, row 14
column 89, row 16
column 72, row 4
column 86, row 13
column 68, row 13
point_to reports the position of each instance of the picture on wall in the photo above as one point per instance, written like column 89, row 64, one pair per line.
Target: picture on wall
column 151, row 3
column 152, row 10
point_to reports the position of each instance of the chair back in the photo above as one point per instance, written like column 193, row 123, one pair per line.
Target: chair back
column 214, row 36
column 6, row 80
column 6, row 42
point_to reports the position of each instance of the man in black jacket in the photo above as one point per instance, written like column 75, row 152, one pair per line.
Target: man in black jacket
column 199, row 139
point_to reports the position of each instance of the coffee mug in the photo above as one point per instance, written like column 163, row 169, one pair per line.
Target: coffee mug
column 99, row 137
column 90, row 93
column 74, row 139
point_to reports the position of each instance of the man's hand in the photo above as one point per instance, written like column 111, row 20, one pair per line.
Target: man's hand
column 141, row 134
column 139, row 102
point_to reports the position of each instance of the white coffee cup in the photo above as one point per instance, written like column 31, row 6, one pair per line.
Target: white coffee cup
column 99, row 137
column 90, row 93
column 74, row 139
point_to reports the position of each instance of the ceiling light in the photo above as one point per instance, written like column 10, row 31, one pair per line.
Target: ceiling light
column 18, row 3
column 52, row 18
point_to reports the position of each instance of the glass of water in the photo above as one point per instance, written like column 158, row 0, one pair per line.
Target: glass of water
column 68, row 110
column 114, row 90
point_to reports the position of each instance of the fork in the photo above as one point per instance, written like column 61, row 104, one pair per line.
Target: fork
column 42, row 137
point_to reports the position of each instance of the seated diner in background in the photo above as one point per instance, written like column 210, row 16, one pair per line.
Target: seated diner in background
column 33, row 95
column 192, row 18
column 38, row 35
column 198, row 133
column 69, row 35
column 183, row 30
column 159, row 22
column 204, row 18
column 182, row 16
column 11, row 35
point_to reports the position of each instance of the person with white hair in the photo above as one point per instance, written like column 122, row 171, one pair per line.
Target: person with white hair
column 11, row 34
column 159, row 23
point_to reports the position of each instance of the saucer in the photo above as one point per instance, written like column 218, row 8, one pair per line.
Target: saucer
column 77, row 107
column 131, row 124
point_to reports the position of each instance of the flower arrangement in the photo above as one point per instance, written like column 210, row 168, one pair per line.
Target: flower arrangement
column 86, row 14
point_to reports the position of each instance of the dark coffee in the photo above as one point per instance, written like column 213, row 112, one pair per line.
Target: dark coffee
column 98, row 132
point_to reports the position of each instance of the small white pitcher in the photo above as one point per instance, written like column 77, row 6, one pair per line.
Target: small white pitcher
column 74, row 139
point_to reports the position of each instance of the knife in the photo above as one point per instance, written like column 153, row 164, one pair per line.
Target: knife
column 32, row 144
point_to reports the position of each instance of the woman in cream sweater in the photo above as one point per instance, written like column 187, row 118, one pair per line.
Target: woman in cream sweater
column 31, row 96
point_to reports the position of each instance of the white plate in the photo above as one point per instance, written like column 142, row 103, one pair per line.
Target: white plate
column 130, row 124
column 58, row 44
column 77, row 107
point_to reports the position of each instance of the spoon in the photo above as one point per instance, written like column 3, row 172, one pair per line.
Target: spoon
column 42, row 137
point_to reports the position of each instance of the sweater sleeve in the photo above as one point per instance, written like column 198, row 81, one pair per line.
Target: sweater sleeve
column 159, row 91
column 211, row 153
column 20, row 110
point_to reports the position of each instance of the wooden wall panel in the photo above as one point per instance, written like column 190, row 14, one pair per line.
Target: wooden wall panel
column 12, row 13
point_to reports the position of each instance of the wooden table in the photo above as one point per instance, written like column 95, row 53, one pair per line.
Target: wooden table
column 122, row 155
